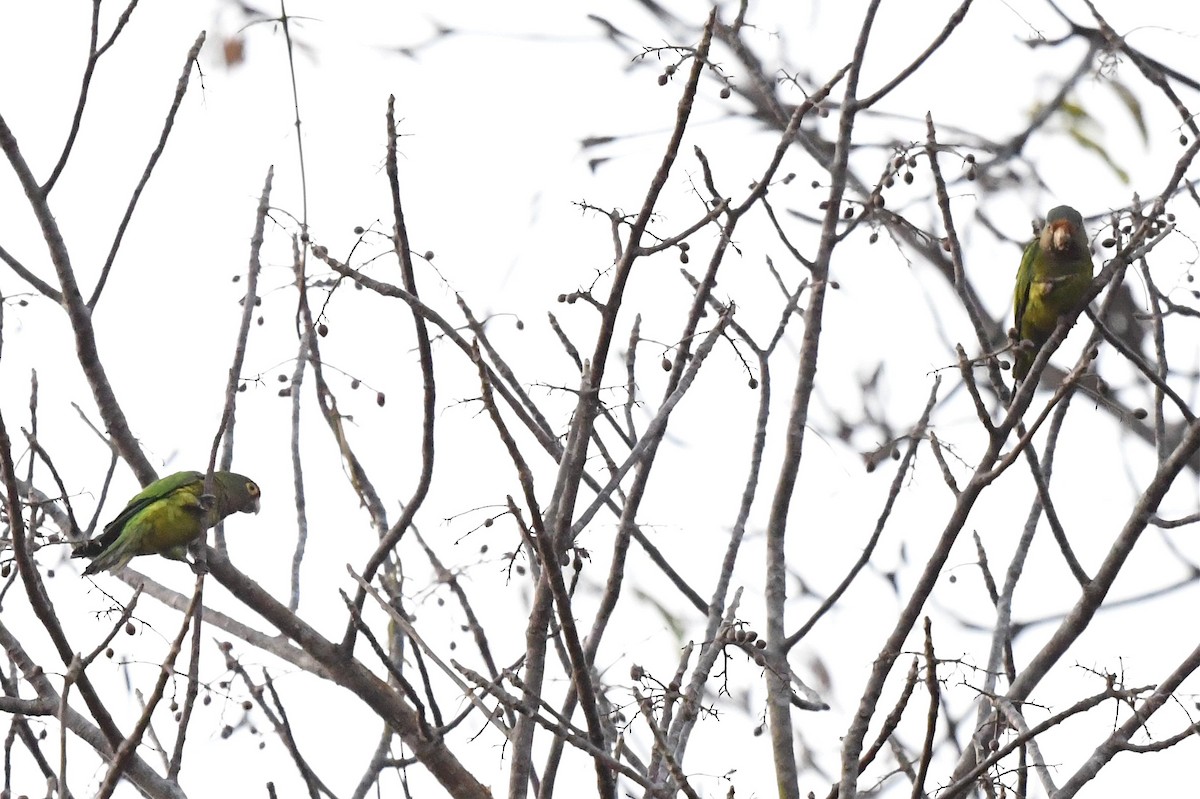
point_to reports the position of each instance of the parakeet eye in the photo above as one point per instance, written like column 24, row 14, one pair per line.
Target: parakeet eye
column 252, row 489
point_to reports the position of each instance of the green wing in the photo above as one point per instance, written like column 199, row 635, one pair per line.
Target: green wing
column 1033, row 250
column 1024, row 283
column 149, row 495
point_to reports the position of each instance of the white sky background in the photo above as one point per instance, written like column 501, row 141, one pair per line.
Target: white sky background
column 490, row 170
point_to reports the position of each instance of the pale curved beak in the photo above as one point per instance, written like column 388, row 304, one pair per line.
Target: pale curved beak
column 1060, row 234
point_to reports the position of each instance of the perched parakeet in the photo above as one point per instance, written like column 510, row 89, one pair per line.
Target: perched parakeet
column 1055, row 272
column 166, row 517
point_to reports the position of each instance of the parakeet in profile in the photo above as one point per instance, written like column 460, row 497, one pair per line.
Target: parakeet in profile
column 166, row 516
column 1055, row 272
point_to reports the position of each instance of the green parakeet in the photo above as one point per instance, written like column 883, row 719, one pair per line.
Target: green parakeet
column 167, row 516
column 1055, row 272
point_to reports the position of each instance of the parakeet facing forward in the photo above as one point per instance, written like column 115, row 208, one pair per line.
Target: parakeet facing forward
column 166, row 516
column 1055, row 272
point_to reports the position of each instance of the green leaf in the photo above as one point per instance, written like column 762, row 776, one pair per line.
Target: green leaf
column 1085, row 141
column 1074, row 112
column 1133, row 105
column 668, row 616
